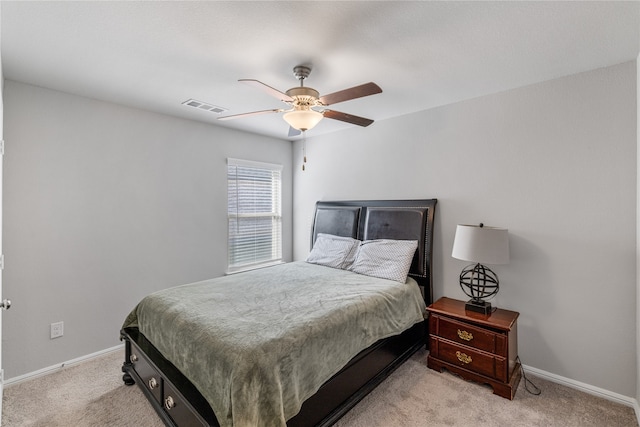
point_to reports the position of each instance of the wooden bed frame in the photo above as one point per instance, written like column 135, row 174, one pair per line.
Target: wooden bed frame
column 179, row 403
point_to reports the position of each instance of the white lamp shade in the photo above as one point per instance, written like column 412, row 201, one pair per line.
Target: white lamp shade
column 303, row 119
column 484, row 245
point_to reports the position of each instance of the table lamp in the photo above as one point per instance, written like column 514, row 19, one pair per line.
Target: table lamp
column 480, row 245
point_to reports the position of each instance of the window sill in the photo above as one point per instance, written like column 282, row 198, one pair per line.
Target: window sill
column 254, row 267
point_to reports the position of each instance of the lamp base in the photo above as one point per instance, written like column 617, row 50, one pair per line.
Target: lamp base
column 478, row 306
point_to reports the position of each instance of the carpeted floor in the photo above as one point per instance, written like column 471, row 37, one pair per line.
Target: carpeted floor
column 92, row 394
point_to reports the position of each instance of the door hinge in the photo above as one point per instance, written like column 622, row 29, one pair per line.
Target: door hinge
column 2, row 147
column 2, row 262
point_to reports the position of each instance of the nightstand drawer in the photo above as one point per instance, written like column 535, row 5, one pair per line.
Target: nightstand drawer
column 469, row 335
column 468, row 358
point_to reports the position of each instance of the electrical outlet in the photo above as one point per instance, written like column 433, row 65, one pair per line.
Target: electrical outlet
column 57, row 330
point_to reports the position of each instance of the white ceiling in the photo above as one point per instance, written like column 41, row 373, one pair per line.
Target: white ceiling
column 156, row 55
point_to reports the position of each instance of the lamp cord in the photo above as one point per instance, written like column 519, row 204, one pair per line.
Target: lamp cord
column 536, row 390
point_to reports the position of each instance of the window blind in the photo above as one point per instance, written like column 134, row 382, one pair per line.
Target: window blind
column 254, row 214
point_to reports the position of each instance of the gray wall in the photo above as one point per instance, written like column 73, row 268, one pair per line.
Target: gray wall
column 104, row 204
column 555, row 163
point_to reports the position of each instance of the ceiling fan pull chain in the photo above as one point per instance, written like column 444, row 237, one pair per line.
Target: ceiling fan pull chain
column 304, row 149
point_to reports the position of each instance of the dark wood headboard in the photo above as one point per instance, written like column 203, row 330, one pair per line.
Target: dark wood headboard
column 384, row 219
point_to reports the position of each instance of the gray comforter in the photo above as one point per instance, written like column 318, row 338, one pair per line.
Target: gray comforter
column 257, row 344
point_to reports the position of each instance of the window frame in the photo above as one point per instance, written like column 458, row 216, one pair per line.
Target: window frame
column 234, row 217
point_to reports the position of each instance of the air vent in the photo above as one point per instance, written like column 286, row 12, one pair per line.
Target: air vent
column 204, row 106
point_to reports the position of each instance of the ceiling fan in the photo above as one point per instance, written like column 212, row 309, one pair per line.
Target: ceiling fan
column 307, row 106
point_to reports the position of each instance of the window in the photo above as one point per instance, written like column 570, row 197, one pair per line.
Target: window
column 254, row 214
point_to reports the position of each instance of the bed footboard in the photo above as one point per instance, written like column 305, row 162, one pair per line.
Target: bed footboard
column 178, row 402
column 175, row 399
column 358, row 378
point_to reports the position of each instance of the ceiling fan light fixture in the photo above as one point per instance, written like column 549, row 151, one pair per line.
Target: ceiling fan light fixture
column 303, row 99
column 302, row 119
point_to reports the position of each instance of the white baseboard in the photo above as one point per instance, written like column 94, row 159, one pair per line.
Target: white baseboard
column 587, row 388
column 54, row 368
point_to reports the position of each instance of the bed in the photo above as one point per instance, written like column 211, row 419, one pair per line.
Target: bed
column 169, row 366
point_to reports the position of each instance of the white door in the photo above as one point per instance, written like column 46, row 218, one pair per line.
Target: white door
column 1, row 256
column 4, row 304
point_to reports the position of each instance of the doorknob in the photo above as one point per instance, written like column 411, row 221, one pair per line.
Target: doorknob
column 5, row 304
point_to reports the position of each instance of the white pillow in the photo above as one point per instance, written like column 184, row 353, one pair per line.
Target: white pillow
column 386, row 259
column 333, row 251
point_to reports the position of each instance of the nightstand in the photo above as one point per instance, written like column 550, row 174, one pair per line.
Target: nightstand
column 478, row 347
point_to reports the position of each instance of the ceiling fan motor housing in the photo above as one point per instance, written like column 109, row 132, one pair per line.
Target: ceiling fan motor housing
column 304, row 97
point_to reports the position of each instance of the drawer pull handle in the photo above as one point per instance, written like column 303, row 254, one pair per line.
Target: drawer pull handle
column 169, row 403
column 153, row 383
column 463, row 357
column 133, row 358
column 464, row 335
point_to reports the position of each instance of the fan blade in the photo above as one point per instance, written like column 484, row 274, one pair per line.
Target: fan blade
column 351, row 93
column 268, row 89
column 293, row 131
column 349, row 118
column 254, row 113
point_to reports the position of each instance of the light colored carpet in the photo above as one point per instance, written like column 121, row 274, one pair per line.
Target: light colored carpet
column 87, row 394
column 92, row 394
